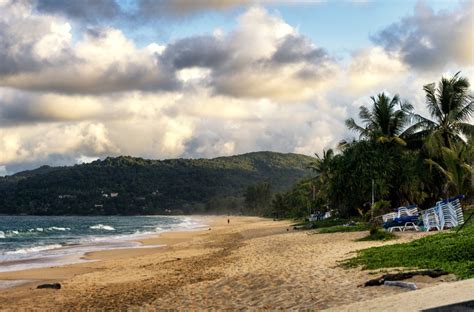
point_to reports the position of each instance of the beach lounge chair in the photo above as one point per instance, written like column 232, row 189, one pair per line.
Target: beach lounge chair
column 430, row 219
column 410, row 226
column 389, row 216
column 393, row 228
column 446, row 214
column 450, row 212
column 404, row 218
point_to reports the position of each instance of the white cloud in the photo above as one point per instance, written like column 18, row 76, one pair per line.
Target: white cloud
column 38, row 54
column 429, row 40
column 259, row 86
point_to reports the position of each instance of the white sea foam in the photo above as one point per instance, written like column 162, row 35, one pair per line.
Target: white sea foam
column 102, row 227
column 59, row 252
column 33, row 249
column 54, row 228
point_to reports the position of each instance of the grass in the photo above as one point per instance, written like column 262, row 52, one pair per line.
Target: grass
column 341, row 228
column 448, row 251
column 378, row 235
column 324, row 223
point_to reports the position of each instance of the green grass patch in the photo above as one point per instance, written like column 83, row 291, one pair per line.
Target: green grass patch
column 341, row 228
column 378, row 235
column 445, row 251
column 323, row 223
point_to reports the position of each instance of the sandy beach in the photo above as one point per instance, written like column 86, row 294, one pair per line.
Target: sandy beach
column 251, row 263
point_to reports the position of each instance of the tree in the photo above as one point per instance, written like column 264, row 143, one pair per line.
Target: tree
column 386, row 120
column 451, row 108
column 258, row 198
column 456, row 169
column 322, row 165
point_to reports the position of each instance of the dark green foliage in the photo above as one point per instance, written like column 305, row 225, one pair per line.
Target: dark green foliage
column 329, row 222
column 296, row 203
column 397, row 176
column 343, row 228
column 385, row 121
column 322, row 223
column 149, row 186
column 436, row 163
column 451, row 107
column 258, row 199
column 449, row 252
column 378, row 235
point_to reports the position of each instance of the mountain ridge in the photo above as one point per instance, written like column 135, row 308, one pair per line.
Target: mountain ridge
column 145, row 186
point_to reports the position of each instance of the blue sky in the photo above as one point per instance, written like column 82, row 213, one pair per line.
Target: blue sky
column 339, row 26
column 164, row 79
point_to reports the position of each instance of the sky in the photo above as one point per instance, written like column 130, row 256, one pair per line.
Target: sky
column 87, row 79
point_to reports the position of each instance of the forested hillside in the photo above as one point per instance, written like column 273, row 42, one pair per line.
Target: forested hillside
column 127, row 185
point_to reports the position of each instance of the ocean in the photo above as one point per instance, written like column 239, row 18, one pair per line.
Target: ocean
column 41, row 241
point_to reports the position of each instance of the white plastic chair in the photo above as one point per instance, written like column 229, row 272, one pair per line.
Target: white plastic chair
column 431, row 219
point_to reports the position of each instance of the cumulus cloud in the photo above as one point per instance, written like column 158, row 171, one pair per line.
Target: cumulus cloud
column 160, row 8
column 95, row 11
column 262, row 85
column 39, row 141
column 105, row 61
column 38, row 54
column 279, row 56
column 430, row 40
column 24, row 107
column 373, row 68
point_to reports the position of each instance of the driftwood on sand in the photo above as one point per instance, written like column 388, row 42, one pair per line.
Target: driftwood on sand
column 50, row 286
column 403, row 276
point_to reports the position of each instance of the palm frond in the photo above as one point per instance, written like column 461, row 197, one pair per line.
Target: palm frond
column 352, row 125
column 466, row 112
column 431, row 101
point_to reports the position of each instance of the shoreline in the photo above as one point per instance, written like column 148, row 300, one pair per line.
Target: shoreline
column 145, row 244
column 250, row 263
column 62, row 254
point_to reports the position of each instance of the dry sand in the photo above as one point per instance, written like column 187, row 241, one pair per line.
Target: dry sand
column 251, row 264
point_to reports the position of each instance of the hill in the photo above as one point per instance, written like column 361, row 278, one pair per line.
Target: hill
column 128, row 185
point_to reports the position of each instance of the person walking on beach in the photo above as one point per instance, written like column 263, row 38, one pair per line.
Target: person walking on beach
column 228, row 221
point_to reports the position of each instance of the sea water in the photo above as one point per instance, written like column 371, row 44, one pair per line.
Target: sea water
column 41, row 241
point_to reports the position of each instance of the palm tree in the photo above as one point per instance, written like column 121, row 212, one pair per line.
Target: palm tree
column 451, row 107
column 385, row 122
column 455, row 167
column 321, row 165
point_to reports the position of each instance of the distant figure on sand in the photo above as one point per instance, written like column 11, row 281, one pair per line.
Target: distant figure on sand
column 228, row 221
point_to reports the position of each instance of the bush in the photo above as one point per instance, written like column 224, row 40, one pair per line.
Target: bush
column 448, row 251
column 378, row 235
column 344, row 228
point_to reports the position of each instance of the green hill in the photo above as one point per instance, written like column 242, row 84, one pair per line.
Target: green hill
column 128, row 185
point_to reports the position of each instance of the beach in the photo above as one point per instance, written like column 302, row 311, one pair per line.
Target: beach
column 251, row 263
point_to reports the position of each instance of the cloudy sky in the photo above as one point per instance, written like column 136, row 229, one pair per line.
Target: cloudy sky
column 81, row 80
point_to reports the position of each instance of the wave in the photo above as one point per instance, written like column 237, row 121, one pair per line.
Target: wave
column 189, row 224
column 102, row 227
column 29, row 232
column 54, row 228
column 33, row 249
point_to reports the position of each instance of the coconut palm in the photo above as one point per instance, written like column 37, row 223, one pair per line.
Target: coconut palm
column 386, row 120
column 455, row 167
column 451, row 108
column 321, row 165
